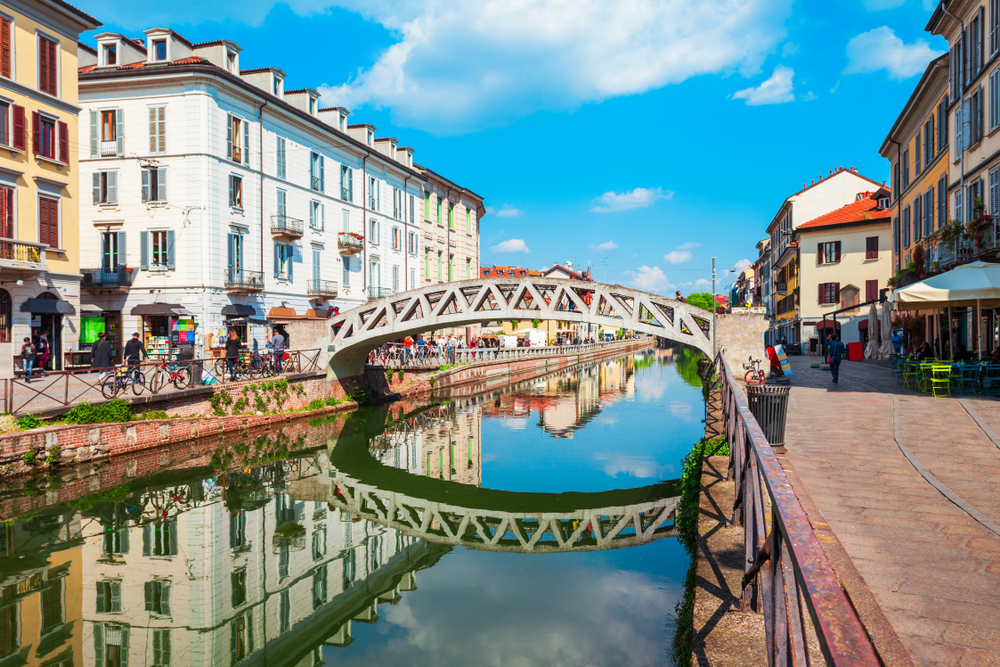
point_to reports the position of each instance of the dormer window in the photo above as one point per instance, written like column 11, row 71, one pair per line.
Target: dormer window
column 883, row 202
column 371, row 135
column 277, row 87
column 231, row 61
column 110, row 52
column 312, row 105
column 343, row 123
column 160, row 50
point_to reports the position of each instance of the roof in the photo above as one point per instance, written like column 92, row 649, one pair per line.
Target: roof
column 941, row 63
column 87, row 48
column 143, row 64
column 79, row 13
column 361, row 125
column 864, row 211
column 258, row 70
column 137, row 44
column 301, row 90
column 578, row 275
column 497, row 271
column 334, row 109
column 214, row 42
column 444, row 180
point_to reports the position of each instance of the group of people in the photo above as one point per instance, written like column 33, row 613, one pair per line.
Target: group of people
column 234, row 346
column 102, row 358
column 35, row 354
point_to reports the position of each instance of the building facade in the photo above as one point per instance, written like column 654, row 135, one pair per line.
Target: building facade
column 39, row 178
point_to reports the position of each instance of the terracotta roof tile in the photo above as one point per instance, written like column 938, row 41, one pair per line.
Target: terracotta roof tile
column 861, row 211
column 137, row 43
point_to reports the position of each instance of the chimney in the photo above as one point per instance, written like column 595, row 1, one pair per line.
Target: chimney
column 813, row 182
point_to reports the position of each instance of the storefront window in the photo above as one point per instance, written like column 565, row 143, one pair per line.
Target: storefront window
column 5, row 320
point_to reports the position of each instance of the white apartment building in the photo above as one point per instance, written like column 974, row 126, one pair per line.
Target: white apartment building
column 217, row 197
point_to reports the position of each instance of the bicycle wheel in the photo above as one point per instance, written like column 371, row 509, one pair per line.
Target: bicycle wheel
column 221, row 370
column 109, row 387
column 182, row 377
column 750, row 378
column 290, row 365
column 138, row 383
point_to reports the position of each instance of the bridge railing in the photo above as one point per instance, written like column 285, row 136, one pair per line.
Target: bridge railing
column 785, row 567
column 395, row 355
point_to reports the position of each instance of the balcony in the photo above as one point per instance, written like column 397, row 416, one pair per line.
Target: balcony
column 109, row 148
column 239, row 279
column 114, row 279
column 316, row 183
column 781, row 288
column 282, row 225
column 22, row 256
column 349, row 243
column 378, row 292
column 322, row 288
column 345, row 194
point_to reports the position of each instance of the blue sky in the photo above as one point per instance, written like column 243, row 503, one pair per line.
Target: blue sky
column 640, row 136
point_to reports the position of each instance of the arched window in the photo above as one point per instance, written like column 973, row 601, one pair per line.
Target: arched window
column 5, row 316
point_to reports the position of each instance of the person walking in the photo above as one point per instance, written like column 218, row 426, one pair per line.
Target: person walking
column 278, row 345
column 232, row 353
column 836, row 352
column 43, row 352
column 100, row 357
column 27, row 358
column 134, row 349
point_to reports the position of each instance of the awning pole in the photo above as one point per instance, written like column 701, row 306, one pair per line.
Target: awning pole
column 979, row 329
column 951, row 344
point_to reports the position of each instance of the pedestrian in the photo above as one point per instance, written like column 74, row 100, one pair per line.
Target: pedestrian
column 134, row 349
column 100, row 356
column 836, row 351
column 233, row 353
column 278, row 344
column 44, row 352
column 27, row 358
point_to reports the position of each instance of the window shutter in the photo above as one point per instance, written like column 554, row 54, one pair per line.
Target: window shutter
column 113, row 186
column 122, row 250
column 229, row 138
column 93, row 134
column 36, row 132
column 120, row 131
column 322, row 174
column 102, row 606
column 161, row 129
column 291, row 260
column 822, row 293
column 145, row 185
column 171, row 262
column 819, row 253
column 232, row 190
column 966, row 124
column 144, row 250
column 146, row 530
column 152, row 130
column 5, row 48
column 277, row 261
column 161, row 183
column 836, row 251
column 19, row 128
column 63, row 141
column 148, row 585
column 173, row 538
column 230, row 250
column 350, row 185
column 97, row 187
column 246, row 142
column 322, row 217
column 43, row 65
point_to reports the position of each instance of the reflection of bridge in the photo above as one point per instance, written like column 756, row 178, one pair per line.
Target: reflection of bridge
column 495, row 530
column 361, row 329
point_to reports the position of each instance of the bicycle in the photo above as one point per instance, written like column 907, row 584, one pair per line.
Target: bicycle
column 754, row 376
column 172, row 372
column 124, row 376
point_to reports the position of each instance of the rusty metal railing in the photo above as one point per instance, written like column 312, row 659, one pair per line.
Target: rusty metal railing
column 785, row 568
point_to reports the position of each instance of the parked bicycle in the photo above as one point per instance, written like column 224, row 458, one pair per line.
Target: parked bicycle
column 172, row 372
column 754, row 376
column 123, row 378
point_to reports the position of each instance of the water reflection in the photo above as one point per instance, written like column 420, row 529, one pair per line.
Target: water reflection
column 295, row 542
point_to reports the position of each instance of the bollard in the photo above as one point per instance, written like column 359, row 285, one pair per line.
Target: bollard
column 769, row 406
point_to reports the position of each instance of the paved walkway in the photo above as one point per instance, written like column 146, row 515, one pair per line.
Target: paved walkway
column 910, row 485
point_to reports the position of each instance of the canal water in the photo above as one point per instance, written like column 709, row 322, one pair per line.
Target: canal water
column 529, row 525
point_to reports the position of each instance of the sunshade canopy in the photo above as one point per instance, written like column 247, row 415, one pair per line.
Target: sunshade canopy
column 239, row 310
column 960, row 287
column 47, row 307
column 158, row 309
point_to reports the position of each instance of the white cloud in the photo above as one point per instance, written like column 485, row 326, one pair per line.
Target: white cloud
column 510, row 246
column 702, row 282
column 835, row 87
column 789, row 49
column 507, row 211
column 612, row 202
column 880, row 49
column 640, row 467
column 607, row 245
column 776, row 90
column 879, row 5
column 649, row 279
column 681, row 254
column 742, row 265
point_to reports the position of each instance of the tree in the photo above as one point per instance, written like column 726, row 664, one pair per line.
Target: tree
column 701, row 300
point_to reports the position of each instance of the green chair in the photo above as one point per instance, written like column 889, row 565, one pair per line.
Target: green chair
column 924, row 370
column 940, row 380
column 990, row 379
column 965, row 379
column 910, row 374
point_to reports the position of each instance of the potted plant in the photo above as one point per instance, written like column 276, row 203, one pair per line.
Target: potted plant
column 936, row 264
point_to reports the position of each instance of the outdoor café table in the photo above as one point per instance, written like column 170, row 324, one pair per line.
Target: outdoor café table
column 989, row 379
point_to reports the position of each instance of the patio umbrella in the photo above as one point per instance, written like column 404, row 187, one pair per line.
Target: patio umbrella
column 872, row 349
column 886, row 351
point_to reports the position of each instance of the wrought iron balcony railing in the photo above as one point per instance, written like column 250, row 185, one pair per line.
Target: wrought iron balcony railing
column 378, row 292
column 21, row 254
column 238, row 278
column 116, row 278
column 286, row 226
column 350, row 243
column 322, row 288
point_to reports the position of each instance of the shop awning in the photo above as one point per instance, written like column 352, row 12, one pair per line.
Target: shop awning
column 158, row 309
column 47, row 307
column 830, row 324
column 90, row 310
column 278, row 312
column 238, row 310
column 961, row 287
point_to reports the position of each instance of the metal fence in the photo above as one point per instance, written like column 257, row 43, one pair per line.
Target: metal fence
column 394, row 355
column 62, row 389
column 786, row 572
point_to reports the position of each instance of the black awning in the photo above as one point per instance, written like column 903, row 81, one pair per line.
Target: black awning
column 157, row 309
column 239, row 310
column 48, row 307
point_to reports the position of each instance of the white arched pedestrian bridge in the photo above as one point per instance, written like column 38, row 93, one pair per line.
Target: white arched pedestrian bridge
column 360, row 330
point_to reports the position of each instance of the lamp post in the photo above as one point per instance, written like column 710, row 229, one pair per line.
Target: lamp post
column 715, row 345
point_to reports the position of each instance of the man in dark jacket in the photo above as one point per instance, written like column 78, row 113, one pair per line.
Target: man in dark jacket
column 836, row 350
column 100, row 357
column 233, row 346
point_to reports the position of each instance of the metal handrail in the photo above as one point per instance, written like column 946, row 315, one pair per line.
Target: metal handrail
column 378, row 292
column 349, row 240
column 396, row 355
column 785, row 564
column 240, row 278
column 283, row 224
column 117, row 277
column 322, row 288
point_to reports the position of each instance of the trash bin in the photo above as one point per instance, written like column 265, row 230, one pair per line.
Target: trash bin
column 185, row 355
column 769, row 406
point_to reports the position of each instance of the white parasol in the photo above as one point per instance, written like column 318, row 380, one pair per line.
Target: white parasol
column 872, row 349
column 886, row 350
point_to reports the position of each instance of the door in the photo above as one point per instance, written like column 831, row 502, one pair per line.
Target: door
column 235, row 258
column 316, row 264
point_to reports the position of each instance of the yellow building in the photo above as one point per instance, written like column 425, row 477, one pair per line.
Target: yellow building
column 39, row 183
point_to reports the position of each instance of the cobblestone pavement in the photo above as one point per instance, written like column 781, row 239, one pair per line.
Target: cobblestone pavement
column 923, row 541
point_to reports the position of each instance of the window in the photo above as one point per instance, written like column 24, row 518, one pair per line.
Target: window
column 411, row 243
column 319, row 541
column 284, row 254
column 916, row 155
column 312, row 105
column 372, row 193
column 159, row 50
column 468, row 269
column 237, row 139
column 427, row 205
column 395, row 278
column 959, row 213
column 871, row 290
column 48, row 65
column 317, row 257
column 316, row 215
column 52, row 605
column 231, row 61
column 158, row 597
column 285, row 611
column 396, row 204
column 918, row 218
column 397, row 238
column 280, row 155
column 411, row 210
column 994, row 192
column 162, row 249
column 906, row 227
column 107, row 134
column 5, row 118
column 109, row 596
column 161, row 647
column 942, row 121
column 240, row 637
column 440, row 275
column 871, row 247
column 235, row 191
column 319, row 587
column 976, row 121
column 48, row 221
column 44, row 136
column 154, row 185
column 159, row 537
column 5, row 51
column 929, row 211
column 451, row 216
column 929, row 141
column 468, row 220
column 316, row 177
column 238, row 583
column 110, row 645
column 906, row 169
column 828, row 253
column 373, row 231
column 276, row 86
column 238, row 530
column 413, row 278
column 427, row 263
column 157, row 129
column 451, row 267
column 942, row 201
column 112, row 251
column 346, row 260
column 284, row 557
column 895, row 235
column 346, row 183
column 106, row 187
column 829, row 293
column 440, row 219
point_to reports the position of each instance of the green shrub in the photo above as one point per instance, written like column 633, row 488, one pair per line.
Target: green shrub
column 154, row 414
column 118, row 410
column 331, row 401
column 316, row 404
column 28, row 422
column 53, row 456
column 30, row 458
column 399, row 375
